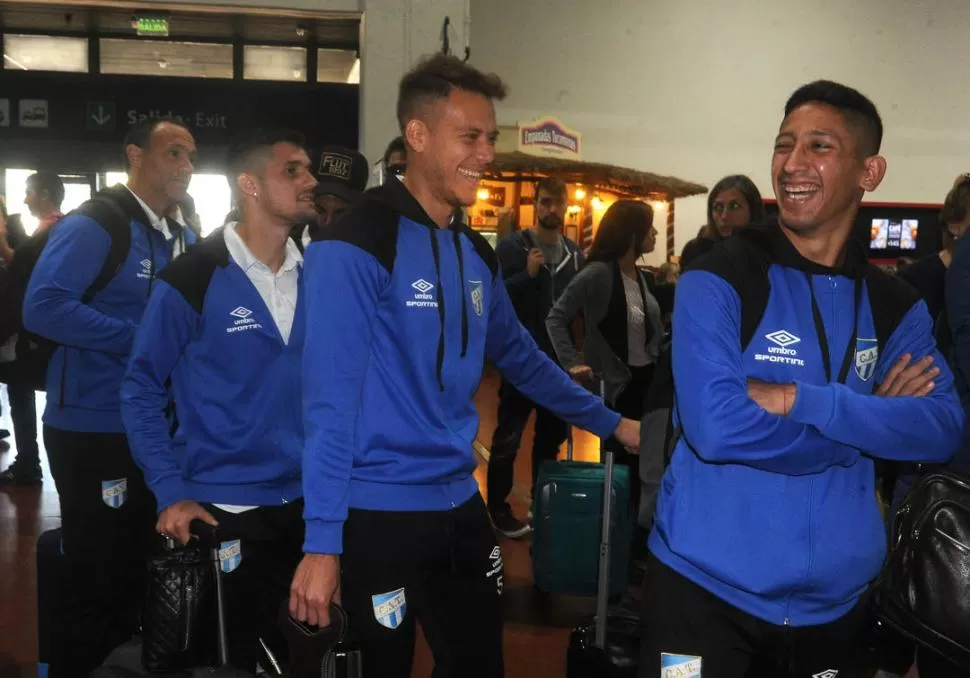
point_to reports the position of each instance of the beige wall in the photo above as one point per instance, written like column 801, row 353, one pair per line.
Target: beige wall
column 302, row 5
column 695, row 88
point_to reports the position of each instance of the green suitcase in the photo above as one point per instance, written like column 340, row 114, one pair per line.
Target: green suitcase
column 567, row 527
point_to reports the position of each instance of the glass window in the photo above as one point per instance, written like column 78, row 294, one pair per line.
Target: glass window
column 45, row 53
column 76, row 191
column 210, row 192
column 338, row 65
column 261, row 62
column 167, row 58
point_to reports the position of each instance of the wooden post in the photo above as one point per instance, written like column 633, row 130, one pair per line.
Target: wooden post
column 671, row 245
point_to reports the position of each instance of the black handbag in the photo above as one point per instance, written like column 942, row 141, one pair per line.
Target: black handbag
column 179, row 616
column 923, row 591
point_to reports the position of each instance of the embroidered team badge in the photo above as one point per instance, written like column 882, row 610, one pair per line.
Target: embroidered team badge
column 230, row 555
column 114, row 492
column 866, row 356
column 390, row 608
column 478, row 296
column 679, row 666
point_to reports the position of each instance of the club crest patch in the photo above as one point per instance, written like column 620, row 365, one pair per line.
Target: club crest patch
column 114, row 492
column 679, row 666
column 478, row 296
column 390, row 608
column 866, row 356
column 230, row 555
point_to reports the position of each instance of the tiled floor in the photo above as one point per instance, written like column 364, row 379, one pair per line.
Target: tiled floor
column 536, row 628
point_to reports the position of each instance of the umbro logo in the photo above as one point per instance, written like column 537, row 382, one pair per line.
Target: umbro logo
column 782, row 338
column 422, row 286
column 146, row 264
column 422, row 298
column 831, row 673
column 244, row 322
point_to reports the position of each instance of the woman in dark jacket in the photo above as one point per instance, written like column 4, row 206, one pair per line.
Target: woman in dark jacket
column 622, row 318
column 732, row 203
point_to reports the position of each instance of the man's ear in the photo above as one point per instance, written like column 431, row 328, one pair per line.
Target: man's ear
column 875, row 170
column 416, row 133
column 246, row 183
column 134, row 155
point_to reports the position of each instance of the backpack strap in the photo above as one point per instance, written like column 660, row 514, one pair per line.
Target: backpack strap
column 113, row 219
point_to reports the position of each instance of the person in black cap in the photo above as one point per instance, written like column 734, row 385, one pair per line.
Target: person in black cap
column 342, row 176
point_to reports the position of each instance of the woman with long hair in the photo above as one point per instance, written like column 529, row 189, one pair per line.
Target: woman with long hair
column 734, row 202
column 623, row 330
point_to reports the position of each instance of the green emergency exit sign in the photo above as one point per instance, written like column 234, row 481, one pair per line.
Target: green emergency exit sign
column 155, row 26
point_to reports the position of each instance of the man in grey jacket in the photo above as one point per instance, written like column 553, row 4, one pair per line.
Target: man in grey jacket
column 537, row 265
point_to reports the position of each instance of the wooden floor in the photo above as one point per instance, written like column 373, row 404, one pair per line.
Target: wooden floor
column 536, row 629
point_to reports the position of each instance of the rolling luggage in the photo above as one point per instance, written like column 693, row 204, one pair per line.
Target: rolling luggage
column 127, row 661
column 567, row 525
column 608, row 646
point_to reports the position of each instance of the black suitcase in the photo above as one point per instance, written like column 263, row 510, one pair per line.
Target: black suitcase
column 608, row 646
column 50, row 576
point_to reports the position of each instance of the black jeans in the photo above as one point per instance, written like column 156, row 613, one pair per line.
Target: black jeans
column 261, row 548
column 23, row 414
column 514, row 410
column 107, row 525
column 689, row 624
column 442, row 568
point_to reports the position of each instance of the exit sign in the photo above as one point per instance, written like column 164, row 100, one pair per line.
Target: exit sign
column 151, row 26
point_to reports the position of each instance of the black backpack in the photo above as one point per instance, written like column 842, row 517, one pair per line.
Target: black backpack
column 923, row 591
column 33, row 351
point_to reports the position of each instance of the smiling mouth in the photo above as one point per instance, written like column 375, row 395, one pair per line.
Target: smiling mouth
column 798, row 193
column 305, row 197
column 469, row 174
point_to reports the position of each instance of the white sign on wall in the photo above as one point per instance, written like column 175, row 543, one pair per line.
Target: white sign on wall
column 33, row 112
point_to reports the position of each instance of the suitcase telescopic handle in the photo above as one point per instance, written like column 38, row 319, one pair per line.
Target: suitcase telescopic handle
column 603, row 579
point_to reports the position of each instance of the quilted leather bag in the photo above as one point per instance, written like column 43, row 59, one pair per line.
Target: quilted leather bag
column 924, row 588
column 179, row 617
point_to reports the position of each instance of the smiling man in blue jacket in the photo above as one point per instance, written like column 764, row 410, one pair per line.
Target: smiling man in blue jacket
column 106, row 510
column 404, row 303
column 768, row 530
column 223, row 334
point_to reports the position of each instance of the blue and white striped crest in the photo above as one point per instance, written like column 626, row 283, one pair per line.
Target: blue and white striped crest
column 679, row 666
column 230, row 555
column 390, row 608
column 866, row 356
column 114, row 492
column 478, row 296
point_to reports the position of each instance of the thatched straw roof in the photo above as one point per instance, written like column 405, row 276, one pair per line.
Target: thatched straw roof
column 516, row 166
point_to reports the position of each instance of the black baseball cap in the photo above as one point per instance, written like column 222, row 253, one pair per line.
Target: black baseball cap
column 342, row 172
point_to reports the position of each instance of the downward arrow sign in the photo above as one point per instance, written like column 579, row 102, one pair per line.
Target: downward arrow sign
column 101, row 118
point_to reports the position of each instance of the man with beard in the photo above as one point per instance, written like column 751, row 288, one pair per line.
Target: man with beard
column 223, row 333
column 107, row 512
column 537, row 265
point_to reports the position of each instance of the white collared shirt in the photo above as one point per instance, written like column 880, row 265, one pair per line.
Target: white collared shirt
column 278, row 290
column 155, row 221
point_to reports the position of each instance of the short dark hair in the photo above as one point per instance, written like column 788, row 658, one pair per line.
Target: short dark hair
column 397, row 145
column 248, row 149
column 857, row 109
column 756, row 205
column 552, row 185
column 435, row 77
column 49, row 182
column 957, row 202
column 625, row 223
column 140, row 133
